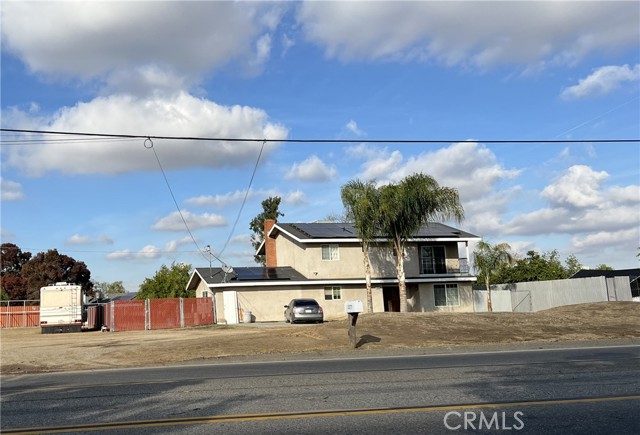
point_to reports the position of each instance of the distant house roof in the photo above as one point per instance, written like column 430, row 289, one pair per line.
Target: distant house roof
column 217, row 275
column 318, row 232
column 124, row 297
column 633, row 274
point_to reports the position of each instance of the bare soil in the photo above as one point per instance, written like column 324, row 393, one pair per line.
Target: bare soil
column 25, row 350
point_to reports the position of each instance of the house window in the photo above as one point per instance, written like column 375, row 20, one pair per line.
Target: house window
column 446, row 295
column 205, row 294
column 332, row 293
column 432, row 260
column 330, row 252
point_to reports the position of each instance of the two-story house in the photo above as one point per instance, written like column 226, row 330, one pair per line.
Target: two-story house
column 324, row 261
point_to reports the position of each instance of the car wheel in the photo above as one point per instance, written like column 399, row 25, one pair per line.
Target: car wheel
column 291, row 320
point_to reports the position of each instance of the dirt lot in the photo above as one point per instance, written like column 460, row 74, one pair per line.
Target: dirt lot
column 25, row 350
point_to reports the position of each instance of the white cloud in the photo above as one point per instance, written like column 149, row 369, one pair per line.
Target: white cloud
column 287, row 43
column 224, row 200
column 606, row 239
column 381, row 166
column 353, row 128
column 78, row 239
column 627, row 194
column 578, row 187
column 603, row 81
column 96, row 38
column 173, row 245
column 579, row 205
column 470, row 33
column 149, row 252
column 164, row 116
column 174, row 222
column 10, row 190
column 311, row 169
column 263, row 49
column 470, row 167
column 296, row 197
column 364, row 151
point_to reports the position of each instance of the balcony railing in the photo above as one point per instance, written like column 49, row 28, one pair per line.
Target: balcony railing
column 444, row 266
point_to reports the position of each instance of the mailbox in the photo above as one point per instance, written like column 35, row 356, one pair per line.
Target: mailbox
column 353, row 307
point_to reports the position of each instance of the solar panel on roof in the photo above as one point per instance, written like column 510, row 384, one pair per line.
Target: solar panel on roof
column 327, row 230
column 249, row 273
column 266, row 273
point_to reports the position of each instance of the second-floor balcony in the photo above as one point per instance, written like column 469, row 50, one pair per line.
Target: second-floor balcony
column 443, row 266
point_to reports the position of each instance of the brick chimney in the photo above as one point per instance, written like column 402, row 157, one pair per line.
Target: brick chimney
column 269, row 244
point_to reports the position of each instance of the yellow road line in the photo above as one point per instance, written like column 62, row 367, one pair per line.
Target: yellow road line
column 231, row 418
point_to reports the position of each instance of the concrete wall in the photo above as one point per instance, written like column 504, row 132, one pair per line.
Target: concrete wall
column 542, row 295
column 500, row 301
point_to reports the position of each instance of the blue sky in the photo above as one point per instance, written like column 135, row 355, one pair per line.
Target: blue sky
column 316, row 70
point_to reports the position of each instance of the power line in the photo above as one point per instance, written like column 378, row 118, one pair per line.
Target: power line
column 244, row 200
column 148, row 143
column 405, row 141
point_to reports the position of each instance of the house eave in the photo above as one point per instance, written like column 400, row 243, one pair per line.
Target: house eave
column 351, row 281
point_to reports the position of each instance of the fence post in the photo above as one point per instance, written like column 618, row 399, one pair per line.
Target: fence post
column 112, row 320
column 181, row 313
column 147, row 315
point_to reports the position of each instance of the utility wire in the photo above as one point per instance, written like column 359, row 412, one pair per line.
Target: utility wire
column 408, row 141
column 255, row 168
column 148, row 143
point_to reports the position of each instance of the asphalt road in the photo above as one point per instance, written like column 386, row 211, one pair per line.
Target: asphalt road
column 579, row 390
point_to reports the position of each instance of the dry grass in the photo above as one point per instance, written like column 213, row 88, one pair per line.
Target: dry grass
column 25, row 350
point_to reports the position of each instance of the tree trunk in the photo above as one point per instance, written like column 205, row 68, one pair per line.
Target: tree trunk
column 402, row 285
column 489, row 305
column 367, row 277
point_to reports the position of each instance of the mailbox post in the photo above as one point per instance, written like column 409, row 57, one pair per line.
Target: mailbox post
column 353, row 308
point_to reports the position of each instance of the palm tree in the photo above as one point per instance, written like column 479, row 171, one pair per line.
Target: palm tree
column 487, row 259
column 361, row 202
column 406, row 206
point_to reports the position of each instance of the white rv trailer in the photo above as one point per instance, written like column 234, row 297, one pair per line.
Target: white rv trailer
column 61, row 308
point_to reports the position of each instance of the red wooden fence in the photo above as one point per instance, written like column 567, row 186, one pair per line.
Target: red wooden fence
column 126, row 315
column 19, row 316
column 198, row 311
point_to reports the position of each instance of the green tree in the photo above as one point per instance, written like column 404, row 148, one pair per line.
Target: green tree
column 110, row 288
column 269, row 211
column 12, row 283
column 362, row 203
column 534, row 267
column 603, row 267
column 406, row 206
column 572, row 265
column 487, row 260
column 168, row 282
column 51, row 267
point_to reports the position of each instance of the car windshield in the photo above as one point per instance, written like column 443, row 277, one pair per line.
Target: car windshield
column 305, row 303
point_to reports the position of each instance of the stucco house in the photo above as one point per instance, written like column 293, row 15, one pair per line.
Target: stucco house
column 324, row 261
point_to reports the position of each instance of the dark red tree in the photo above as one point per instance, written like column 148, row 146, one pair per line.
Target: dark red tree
column 51, row 267
column 11, row 262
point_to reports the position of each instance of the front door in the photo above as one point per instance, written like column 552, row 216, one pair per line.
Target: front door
column 391, row 298
column 230, row 299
